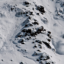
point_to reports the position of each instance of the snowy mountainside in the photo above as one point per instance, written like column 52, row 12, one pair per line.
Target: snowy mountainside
column 31, row 32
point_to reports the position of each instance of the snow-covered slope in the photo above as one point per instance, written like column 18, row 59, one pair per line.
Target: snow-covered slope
column 31, row 32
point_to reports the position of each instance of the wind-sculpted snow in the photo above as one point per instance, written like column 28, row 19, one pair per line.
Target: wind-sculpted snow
column 31, row 32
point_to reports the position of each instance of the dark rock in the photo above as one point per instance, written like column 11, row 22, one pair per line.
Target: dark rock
column 35, row 46
column 21, row 41
column 33, row 42
column 11, row 60
column 28, row 31
column 48, row 63
column 29, row 17
column 18, row 35
column 49, row 35
column 41, row 62
column 62, row 4
column 62, row 36
column 27, row 38
column 32, row 8
column 40, row 47
column 24, row 30
column 40, row 29
column 35, row 54
column 44, row 29
column 21, row 63
column 2, row 60
column 12, row 9
column 39, row 44
column 35, row 23
column 46, row 58
column 37, row 60
column 25, row 34
column 39, row 50
column 35, row 20
column 49, row 40
column 30, row 25
column 31, row 13
column 41, row 9
column 41, row 57
column 26, row 3
column 49, row 32
column 24, row 12
column 38, row 41
column 37, row 13
column 27, row 6
column 47, row 44
column 27, row 25
column 33, row 34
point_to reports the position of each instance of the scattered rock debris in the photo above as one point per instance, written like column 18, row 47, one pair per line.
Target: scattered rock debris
column 29, row 31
